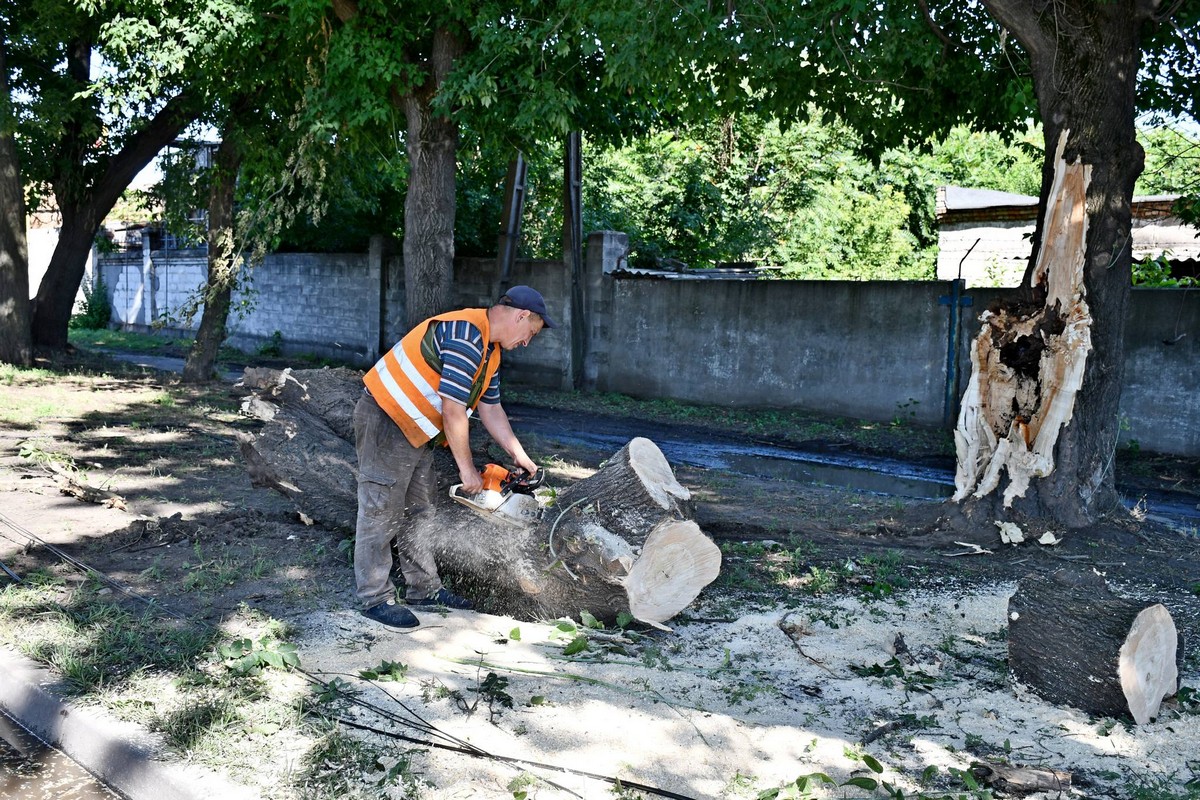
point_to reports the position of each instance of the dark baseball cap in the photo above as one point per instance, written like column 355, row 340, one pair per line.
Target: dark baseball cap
column 529, row 299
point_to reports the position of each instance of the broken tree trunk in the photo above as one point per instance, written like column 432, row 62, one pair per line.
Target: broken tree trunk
column 1027, row 363
column 618, row 541
column 1074, row 642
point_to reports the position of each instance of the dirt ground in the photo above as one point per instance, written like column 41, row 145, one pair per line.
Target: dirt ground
column 176, row 520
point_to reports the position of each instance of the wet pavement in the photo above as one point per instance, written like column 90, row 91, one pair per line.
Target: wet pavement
column 705, row 449
column 32, row 770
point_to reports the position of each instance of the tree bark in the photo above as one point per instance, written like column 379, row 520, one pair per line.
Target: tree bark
column 1085, row 59
column 1028, row 361
column 1073, row 641
column 618, row 541
column 224, row 259
column 86, row 191
column 429, row 206
column 16, row 342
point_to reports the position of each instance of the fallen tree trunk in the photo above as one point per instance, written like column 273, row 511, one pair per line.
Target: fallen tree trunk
column 1074, row 642
column 619, row 541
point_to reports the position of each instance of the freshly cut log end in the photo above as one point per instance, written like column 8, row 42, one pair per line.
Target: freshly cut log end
column 632, row 492
column 1147, row 663
column 649, row 463
column 1074, row 642
column 677, row 561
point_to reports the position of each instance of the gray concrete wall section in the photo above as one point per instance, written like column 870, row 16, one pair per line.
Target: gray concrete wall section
column 145, row 288
column 546, row 362
column 325, row 304
column 871, row 350
column 854, row 349
column 1160, row 403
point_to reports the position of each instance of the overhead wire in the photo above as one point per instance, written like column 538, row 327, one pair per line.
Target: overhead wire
column 448, row 741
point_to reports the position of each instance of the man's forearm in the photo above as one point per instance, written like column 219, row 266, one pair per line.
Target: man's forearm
column 495, row 419
column 455, row 424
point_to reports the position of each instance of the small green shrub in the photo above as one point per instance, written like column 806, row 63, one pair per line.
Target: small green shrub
column 273, row 347
column 96, row 311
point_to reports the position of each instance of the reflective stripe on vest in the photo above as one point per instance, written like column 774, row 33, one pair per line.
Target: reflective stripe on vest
column 404, row 382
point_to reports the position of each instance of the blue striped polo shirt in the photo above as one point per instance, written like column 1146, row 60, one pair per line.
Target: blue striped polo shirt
column 460, row 347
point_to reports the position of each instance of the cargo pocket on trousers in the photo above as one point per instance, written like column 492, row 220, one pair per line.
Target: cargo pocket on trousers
column 373, row 495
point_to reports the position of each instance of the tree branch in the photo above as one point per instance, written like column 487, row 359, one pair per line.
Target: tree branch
column 167, row 124
column 1021, row 19
column 947, row 42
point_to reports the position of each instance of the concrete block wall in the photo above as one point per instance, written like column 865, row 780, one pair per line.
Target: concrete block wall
column 873, row 350
column 1160, row 401
column 326, row 304
column 856, row 349
column 546, row 361
column 150, row 288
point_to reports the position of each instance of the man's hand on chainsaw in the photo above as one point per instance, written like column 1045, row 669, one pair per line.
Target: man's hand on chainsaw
column 471, row 480
column 527, row 465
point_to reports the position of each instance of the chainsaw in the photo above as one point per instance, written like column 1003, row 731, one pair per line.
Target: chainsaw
column 507, row 494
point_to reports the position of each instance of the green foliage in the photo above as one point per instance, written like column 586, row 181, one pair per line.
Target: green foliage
column 799, row 198
column 386, row 671
column 1172, row 162
column 96, row 310
column 1156, row 272
column 273, row 346
column 893, row 669
column 344, row 766
column 492, row 689
column 815, row 784
column 246, row 657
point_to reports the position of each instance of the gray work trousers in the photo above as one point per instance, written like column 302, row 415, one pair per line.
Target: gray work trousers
column 396, row 486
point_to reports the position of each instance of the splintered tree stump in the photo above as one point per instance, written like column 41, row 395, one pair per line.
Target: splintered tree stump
column 1074, row 642
column 619, row 541
column 1028, row 361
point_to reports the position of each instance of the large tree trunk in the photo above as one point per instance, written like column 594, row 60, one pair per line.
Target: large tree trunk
column 86, row 187
column 16, row 344
column 1085, row 58
column 1074, row 642
column 618, row 541
column 429, row 207
column 224, row 260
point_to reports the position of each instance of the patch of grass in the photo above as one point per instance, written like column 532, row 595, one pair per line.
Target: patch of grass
column 93, row 642
column 1164, row 787
column 10, row 374
column 129, row 341
column 755, row 566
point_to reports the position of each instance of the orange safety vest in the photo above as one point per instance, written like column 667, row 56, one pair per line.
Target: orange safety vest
column 405, row 381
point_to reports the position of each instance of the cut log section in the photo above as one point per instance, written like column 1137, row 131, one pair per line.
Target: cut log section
column 1074, row 642
column 618, row 541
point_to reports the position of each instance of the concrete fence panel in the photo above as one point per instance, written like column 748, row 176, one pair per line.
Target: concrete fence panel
column 871, row 350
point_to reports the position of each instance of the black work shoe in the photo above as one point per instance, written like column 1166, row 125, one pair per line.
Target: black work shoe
column 444, row 597
column 392, row 615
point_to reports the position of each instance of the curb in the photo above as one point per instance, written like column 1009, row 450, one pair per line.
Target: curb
column 104, row 746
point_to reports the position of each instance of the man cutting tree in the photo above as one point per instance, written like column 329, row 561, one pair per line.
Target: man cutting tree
column 419, row 396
